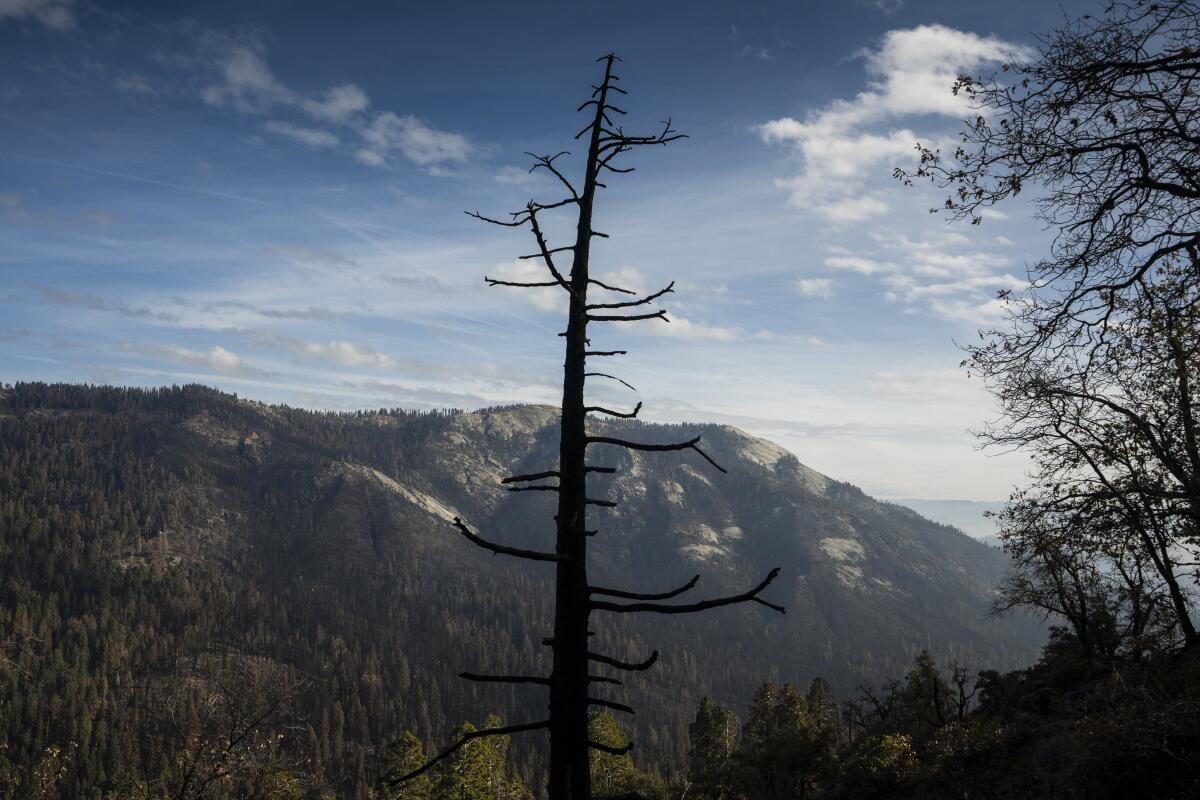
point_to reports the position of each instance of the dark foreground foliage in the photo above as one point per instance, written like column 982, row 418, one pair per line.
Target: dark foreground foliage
column 1067, row 727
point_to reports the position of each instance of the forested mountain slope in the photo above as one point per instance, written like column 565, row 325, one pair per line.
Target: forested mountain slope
column 142, row 532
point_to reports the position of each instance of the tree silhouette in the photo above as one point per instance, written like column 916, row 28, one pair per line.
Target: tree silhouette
column 571, row 679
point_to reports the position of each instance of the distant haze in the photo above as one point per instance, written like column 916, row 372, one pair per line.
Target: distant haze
column 966, row 515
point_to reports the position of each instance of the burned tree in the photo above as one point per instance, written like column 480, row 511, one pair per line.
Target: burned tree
column 572, row 682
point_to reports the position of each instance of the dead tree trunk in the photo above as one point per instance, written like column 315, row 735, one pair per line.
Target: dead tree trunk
column 571, row 678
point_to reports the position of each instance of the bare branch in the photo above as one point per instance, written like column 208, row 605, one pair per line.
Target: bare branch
column 607, row 748
column 471, row 676
column 657, row 608
column 519, row 284
column 547, row 256
column 589, row 353
column 516, row 223
column 532, row 555
column 552, row 250
column 547, row 163
column 596, row 701
column 627, row 318
column 611, row 413
column 691, row 444
column 467, row 737
column 641, row 596
column 625, row 665
column 533, row 476
column 606, row 375
column 639, row 302
column 604, row 285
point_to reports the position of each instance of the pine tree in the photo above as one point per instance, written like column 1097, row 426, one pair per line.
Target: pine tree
column 405, row 754
column 712, row 738
column 612, row 772
column 823, row 707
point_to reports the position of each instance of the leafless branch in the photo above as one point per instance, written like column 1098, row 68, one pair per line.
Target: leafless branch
column 662, row 314
column 639, row 302
column 658, row 608
column 642, row 596
column 465, row 738
column 639, row 666
column 471, row 676
column 610, row 377
column 533, row 476
column 611, row 413
column 607, row 748
column 691, row 444
column 532, row 555
column 597, row 701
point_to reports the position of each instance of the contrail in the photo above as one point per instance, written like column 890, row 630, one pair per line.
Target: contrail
column 139, row 179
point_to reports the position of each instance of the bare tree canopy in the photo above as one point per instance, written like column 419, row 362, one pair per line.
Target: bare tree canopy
column 571, row 681
column 1104, row 125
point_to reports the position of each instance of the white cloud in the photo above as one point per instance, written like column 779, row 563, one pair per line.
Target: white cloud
column 346, row 353
column 977, row 314
column 945, row 274
column 681, row 328
column 216, row 359
column 338, row 104
column 815, row 287
column 247, row 84
column 515, row 176
column 413, row 139
column 370, row 158
column 310, row 137
column 551, row 299
column 135, row 84
column 57, row 15
column 911, row 73
column 863, row 266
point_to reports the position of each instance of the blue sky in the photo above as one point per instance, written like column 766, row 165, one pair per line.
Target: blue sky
column 267, row 197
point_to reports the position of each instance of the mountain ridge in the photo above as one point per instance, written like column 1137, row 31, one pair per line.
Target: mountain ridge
column 322, row 541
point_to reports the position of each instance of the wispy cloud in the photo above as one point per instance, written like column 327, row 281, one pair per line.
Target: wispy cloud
column 310, row 137
column 390, row 135
column 57, row 15
column 245, row 82
column 135, row 84
column 216, row 359
column 839, row 146
column 815, row 287
column 63, row 297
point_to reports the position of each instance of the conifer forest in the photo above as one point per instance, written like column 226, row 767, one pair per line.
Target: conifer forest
column 313, row 487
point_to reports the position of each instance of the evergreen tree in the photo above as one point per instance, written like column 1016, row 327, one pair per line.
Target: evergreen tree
column 823, row 707
column 612, row 773
column 405, row 754
column 712, row 738
column 784, row 752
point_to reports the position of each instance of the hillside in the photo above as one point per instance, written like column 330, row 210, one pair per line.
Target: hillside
column 143, row 530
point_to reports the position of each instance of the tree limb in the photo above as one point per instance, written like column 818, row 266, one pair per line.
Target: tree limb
column 532, row 555
column 471, row 676
column 691, row 444
column 643, row 596
column 625, row 665
column 658, row 608
column 467, row 737
column 611, row 413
